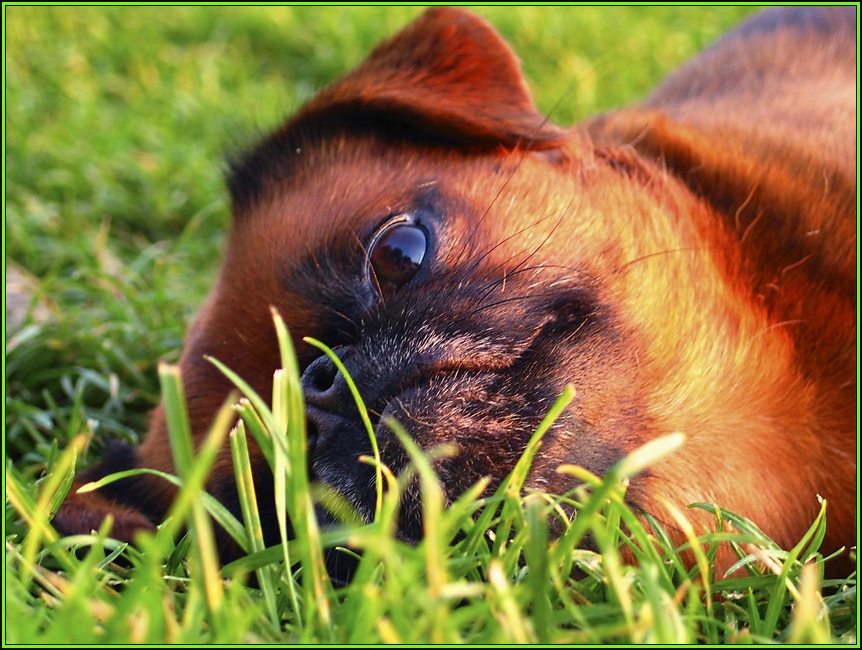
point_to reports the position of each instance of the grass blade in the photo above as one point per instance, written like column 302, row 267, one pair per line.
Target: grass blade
column 316, row 580
column 251, row 515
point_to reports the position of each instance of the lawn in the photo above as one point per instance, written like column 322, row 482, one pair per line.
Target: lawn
column 118, row 122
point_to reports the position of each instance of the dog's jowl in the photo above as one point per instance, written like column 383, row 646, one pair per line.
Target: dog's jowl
column 688, row 264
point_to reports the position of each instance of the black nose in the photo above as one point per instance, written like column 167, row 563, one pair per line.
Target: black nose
column 327, row 399
column 323, row 386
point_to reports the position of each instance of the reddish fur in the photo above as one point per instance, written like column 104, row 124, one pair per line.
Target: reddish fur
column 693, row 213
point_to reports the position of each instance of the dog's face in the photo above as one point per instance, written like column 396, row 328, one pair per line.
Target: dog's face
column 467, row 260
column 460, row 291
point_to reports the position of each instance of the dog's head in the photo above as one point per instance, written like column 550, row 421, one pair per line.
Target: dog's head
column 466, row 259
column 454, row 248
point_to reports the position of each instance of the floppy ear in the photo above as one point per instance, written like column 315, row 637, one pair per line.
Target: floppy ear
column 449, row 74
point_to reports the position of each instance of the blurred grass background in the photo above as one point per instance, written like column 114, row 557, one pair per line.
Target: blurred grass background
column 117, row 123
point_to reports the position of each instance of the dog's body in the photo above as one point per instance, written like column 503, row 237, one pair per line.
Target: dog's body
column 689, row 265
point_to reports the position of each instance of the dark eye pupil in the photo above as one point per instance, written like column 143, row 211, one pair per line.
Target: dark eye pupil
column 398, row 253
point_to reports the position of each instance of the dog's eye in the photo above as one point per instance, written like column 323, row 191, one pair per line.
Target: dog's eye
column 397, row 253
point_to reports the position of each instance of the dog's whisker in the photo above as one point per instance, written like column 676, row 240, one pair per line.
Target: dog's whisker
column 676, row 251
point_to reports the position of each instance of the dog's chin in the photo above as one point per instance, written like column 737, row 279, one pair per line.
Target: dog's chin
column 342, row 462
column 355, row 503
column 341, row 561
column 353, row 494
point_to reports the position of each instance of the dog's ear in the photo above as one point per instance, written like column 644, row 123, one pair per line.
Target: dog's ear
column 448, row 74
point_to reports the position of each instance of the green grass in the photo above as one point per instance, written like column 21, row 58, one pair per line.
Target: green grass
column 117, row 120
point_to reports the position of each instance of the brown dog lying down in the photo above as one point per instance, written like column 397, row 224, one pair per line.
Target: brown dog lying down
column 688, row 264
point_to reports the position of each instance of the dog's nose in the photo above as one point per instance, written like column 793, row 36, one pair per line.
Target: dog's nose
column 327, row 400
column 323, row 386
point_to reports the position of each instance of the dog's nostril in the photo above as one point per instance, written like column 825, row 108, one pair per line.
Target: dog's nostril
column 320, row 375
column 322, row 385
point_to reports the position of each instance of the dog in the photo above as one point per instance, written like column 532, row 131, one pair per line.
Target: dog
column 687, row 264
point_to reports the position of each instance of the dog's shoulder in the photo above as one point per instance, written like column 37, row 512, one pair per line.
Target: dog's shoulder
column 786, row 78
column 784, row 81
column 771, row 51
column 763, row 127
